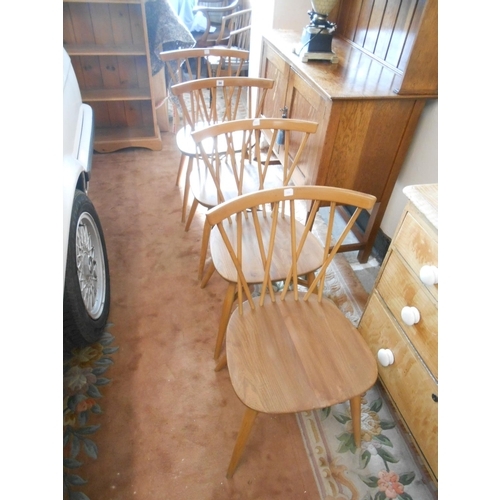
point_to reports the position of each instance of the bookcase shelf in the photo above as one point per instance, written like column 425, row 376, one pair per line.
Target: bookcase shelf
column 108, row 45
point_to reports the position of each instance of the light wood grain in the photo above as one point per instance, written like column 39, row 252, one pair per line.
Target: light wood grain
column 417, row 245
column 233, row 164
column 400, row 34
column 407, row 381
column 399, row 288
column 305, row 356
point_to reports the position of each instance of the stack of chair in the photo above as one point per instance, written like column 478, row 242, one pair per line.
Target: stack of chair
column 287, row 348
column 207, row 102
column 195, row 66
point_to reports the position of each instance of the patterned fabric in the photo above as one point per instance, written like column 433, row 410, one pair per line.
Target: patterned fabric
column 165, row 32
column 385, row 467
column 83, row 380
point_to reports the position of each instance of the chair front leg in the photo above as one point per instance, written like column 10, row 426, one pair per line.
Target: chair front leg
column 356, row 419
column 227, row 305
column 222, row 363
column 205, row 278
column 205, row 238
column 194, row 206
column 241, row 440
column 180, row 169
column 186, row 188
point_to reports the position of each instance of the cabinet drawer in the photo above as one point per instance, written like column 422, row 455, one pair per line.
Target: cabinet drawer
column 418, row 247
column 399, row 288
column 407, row 381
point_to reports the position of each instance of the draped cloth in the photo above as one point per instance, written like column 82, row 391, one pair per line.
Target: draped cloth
column 184, row 9
column 166, row 31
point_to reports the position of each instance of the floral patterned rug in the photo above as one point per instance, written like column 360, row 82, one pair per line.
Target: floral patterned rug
column 83, row 376
column 385, row 467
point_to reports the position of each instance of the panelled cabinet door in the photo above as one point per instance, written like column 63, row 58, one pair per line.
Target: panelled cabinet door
column 305, row 103
column 274, row 67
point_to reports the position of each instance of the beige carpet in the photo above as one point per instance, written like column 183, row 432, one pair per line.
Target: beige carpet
column 159, row 422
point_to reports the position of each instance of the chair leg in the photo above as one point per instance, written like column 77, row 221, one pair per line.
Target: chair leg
column 222, row 363
column 241, row 440
column 310, row 278
column 227, row 305
column 186, row 188
column 179, row 170
column 194, row 206
column 205, row 238
column 208, row 274
column 356, row 419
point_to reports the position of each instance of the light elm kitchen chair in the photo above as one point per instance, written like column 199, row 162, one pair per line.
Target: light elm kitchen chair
column 238, row 157
column 292, row 350
column 209, row 101
column 214, row 11
column 239, row 25
column 184, row 65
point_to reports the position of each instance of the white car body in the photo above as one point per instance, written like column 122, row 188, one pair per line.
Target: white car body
column 78, row 139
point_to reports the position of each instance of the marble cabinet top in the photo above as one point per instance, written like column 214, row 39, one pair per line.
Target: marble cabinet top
column 425, row 199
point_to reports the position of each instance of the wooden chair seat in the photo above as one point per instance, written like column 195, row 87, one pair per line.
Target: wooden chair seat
column 187, row 146
column 310, row 258
column 293, row 355
column 209, row 192
column 214, row 168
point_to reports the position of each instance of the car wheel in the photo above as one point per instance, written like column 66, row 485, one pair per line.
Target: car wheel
column 87, row 287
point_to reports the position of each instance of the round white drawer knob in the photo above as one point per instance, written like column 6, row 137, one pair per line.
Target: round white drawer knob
column 385, row 357
column 410, row 315
column 429, row 275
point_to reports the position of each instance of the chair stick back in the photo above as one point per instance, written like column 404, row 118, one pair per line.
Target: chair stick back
column 297, row 208
column 184, row 65
column 249, row 166
column 191, row 64
column 213, row 100
column 238, row 24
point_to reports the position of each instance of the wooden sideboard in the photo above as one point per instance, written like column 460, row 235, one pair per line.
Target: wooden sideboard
column 107, row 41
column 400, row 322
column 367, row 108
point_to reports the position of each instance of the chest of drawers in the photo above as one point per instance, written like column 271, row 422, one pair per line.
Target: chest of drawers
column 400, row 322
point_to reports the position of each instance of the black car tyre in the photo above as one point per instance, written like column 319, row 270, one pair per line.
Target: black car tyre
column 87, row 287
